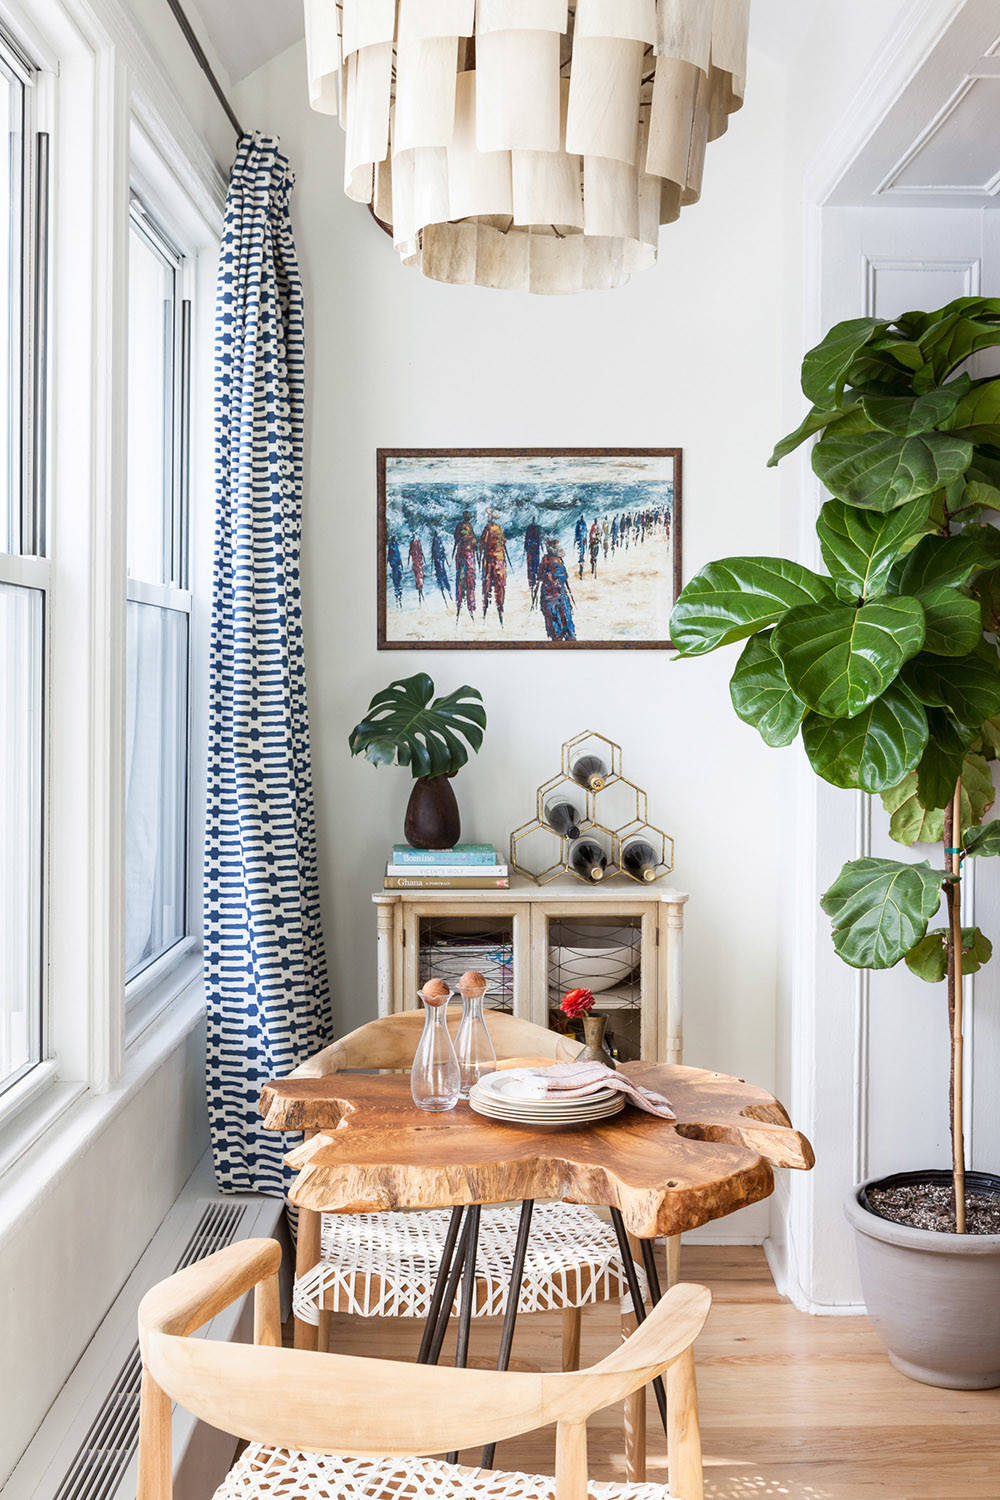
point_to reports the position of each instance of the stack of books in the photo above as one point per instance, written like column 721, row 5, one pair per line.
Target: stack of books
column 467, row 867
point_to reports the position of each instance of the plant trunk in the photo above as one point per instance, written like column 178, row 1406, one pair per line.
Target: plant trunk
column 953, row 902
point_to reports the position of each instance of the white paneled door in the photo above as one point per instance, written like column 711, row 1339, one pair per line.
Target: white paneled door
column 872, row 1049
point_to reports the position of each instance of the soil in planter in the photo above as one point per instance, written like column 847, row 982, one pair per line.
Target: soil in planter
column 929, row 1206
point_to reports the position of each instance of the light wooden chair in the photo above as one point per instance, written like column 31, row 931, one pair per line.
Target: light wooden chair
column 334, row 1427
column 383, row 1264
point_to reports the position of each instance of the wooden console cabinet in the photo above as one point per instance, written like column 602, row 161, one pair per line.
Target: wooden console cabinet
column 532, row 922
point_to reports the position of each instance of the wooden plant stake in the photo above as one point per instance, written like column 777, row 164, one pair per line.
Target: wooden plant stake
column 953, row 901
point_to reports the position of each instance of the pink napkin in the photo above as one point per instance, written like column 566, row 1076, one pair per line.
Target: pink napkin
column 576, row 1080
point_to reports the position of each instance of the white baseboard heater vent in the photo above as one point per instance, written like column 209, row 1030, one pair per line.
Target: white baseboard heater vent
column 86, row 1449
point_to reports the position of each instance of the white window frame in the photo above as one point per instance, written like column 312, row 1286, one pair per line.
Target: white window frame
column 154, row 976
column 114, row 118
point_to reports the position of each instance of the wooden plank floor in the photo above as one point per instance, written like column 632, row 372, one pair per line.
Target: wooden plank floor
column 793, row 1406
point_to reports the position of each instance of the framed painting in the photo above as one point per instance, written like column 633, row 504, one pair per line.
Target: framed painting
column 527, row 548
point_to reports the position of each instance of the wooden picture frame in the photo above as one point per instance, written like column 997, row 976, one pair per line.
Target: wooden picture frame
column 473, row 495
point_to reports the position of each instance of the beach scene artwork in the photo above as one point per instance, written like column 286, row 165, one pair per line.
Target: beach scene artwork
column 528, row 548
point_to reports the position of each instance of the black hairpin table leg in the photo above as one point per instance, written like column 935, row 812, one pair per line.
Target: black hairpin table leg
column 648, row 1248
column 510, row 1311
column 435, row 1313
column 470, row 1239
column 635, row 1292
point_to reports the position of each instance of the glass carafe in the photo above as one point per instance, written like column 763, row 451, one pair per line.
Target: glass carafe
column 434, row 1077
column 473, row 1046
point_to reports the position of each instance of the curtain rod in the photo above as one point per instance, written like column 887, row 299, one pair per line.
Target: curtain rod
column 204, row 64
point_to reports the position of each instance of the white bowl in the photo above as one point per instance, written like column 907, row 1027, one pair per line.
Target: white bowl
column 593, row 960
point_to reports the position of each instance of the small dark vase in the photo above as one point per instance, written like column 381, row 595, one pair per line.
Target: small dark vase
column 432, row 816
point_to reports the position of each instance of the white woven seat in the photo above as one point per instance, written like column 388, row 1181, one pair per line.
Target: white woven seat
column 385, row 1264
column 273, row 1474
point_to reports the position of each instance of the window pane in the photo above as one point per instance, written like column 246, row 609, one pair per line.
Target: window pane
column 11, row 125
column 21, row 626
column 150, row 412
column 156, row 782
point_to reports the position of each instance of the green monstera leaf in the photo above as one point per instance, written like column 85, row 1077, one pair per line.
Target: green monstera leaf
column 860, row 547
column 403, row 726
column 839, row 659
column 954, row 622
column 879, row 473
column 879, row 908
column 874, row 750
column 762, row 697
column 825, row 368
column 928, row 958
column 736, row 597
column 913, row 823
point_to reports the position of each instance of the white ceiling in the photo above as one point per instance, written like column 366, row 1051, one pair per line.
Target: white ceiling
column 248, row 33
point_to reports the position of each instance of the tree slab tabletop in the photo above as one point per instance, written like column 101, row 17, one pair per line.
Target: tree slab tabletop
column 375, row 1150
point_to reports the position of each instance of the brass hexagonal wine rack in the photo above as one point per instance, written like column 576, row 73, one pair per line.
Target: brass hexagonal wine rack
column 614, row 812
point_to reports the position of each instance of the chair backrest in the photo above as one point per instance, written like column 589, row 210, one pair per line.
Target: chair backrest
column 391, row 1042
column 330, row 1403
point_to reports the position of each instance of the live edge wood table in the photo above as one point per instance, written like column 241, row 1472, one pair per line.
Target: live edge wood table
column 370, row 1149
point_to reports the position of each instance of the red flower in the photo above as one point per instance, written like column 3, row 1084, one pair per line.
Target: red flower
column 576, row 1003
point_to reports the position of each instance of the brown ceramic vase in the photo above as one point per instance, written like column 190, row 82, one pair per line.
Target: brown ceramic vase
column 432, row 816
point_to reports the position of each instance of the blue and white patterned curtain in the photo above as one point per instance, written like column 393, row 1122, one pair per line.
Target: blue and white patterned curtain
column 265, row 970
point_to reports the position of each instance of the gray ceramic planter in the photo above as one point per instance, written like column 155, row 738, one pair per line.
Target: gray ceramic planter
column 934, row 1299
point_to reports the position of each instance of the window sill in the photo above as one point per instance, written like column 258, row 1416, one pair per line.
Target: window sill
column 161, row 985
column 38, row 1145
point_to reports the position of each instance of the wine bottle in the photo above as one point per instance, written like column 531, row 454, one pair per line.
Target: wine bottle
column 561, row 817
column 591, row 772
column 588, row 859
column 639, row 859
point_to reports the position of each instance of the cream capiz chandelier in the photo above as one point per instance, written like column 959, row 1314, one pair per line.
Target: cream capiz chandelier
column 530, row 144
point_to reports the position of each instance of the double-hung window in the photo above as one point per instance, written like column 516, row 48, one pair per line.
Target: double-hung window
column 159, row 601
column 24, row 570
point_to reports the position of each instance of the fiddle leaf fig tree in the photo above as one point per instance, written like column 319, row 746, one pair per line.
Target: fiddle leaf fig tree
column 888, row 663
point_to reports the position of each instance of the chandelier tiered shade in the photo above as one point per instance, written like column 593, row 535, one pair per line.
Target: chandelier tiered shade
column 531, row 144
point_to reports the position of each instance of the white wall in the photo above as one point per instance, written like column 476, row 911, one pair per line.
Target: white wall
column 688, row 355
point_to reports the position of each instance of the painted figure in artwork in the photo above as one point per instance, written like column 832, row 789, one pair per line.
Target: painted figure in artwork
column 580, row 537
column 396, row 569
column 554, row 594
column 605, row 535
column 464, row 555
column 532, row 554
column 439, row 558
column 614, row 534
column 417, row 564
column 493, row 550
column 595, row 548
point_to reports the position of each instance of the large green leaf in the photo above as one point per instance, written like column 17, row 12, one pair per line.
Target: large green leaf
column 977, row 414
column 404, row 726
column 814, row 421
column 874, row 750
column 879, row 908
column 762, row 697
column 838, row 658
column 968, row 687
column 928, row 958
column 824, row 369
column 941, row 763
column 860, row 546
column 913, row 823
column 954, row 623
column 957, row 331
column 882, row 471
column 983, row 840
column 737, row 596
column 947, row 561
column 908, row 415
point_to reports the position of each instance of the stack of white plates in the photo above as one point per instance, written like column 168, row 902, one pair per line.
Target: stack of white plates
column 501, row 1096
